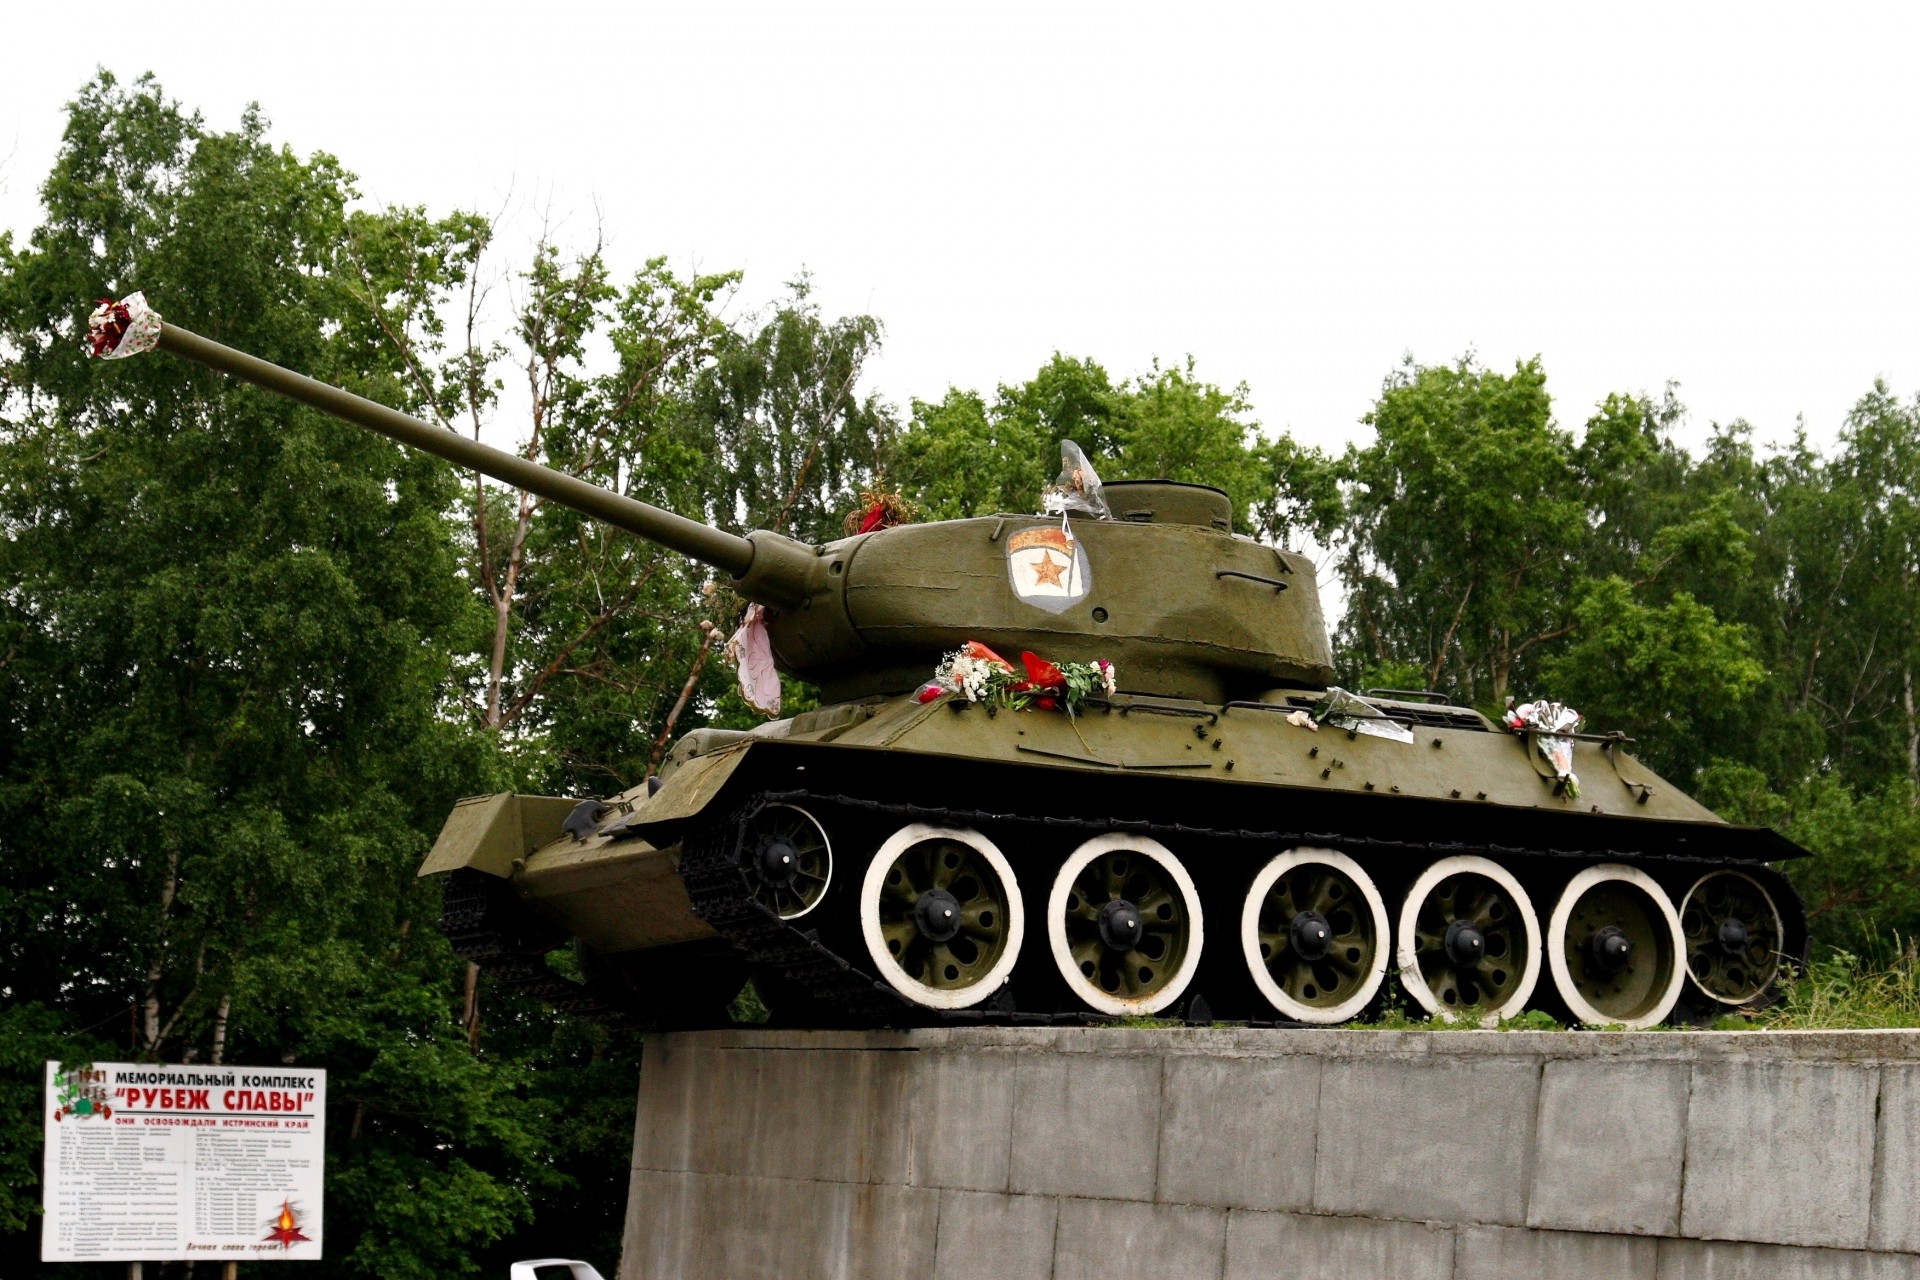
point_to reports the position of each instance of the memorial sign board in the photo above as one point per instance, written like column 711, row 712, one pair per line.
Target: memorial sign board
column 156, row 1163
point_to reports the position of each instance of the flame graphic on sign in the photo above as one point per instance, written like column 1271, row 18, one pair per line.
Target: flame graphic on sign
column 286, row 1227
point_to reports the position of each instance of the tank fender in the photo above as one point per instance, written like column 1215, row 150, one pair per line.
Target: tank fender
column 489, row 833
column 686, row 792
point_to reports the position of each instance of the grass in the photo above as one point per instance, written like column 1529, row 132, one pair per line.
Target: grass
column 1393, row 1016
column 1843, row 992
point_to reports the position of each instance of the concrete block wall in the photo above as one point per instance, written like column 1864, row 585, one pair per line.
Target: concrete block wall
column 1231, row 1154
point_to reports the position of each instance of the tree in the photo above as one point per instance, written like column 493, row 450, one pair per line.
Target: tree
column 962, row 457
column 228, row 628
column 1465, row 516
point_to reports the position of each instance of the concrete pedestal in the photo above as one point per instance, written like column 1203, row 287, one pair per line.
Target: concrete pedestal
column 1222, row 1154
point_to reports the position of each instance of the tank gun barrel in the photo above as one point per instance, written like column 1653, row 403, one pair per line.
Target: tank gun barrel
column 704, row 543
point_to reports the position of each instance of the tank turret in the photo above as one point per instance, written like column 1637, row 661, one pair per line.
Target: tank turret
column 1190, row 608
column 1216, row 833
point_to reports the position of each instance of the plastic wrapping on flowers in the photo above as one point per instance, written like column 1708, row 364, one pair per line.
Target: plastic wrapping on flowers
column 1546, row 721
column 1349, row 711
column 1077, row 489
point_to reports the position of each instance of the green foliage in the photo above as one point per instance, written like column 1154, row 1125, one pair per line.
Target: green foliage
column 31, row 1035
column 1464, row 515
column 229, row 632
column 248, row 658
column 1842, row 991
column 959, row 460
column 1864, row 877
column 963, row 456
column 1660, row 672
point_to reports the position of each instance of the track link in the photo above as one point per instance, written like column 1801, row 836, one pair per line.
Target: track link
column 489, row 926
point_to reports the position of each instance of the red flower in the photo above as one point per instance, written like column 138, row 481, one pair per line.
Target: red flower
column 980, row 653
column 1042, row 674
column 108, row 325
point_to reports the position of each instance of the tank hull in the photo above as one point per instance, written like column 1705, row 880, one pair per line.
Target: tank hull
column 1223, row 789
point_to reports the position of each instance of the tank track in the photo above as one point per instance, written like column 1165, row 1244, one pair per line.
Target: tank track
column 489, row 926
column 712, row 870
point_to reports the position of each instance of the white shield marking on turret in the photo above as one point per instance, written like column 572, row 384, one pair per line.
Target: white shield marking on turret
column 1048, row 568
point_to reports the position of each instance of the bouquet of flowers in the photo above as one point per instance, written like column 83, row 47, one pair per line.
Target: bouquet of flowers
column 978, row 674
column 1547, row 720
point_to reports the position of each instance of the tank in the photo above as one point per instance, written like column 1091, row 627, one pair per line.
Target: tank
column 1217, row 833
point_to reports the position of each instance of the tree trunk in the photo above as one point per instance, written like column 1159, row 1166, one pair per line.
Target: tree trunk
column 497, row 666
column 220, row 1027
column 1500, row 668
column 157, row 966
column 686, row 693
column 1913, row 732
column 470, row 1018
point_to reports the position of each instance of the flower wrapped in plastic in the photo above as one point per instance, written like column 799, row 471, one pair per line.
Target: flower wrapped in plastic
column 1077, row 489
column 1547, row 721
column 1342, row 710
column 120, row 329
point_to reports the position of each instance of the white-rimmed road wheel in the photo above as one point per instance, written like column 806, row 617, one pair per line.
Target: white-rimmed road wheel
column 1732, row 930
column 941, row 915
column 1468, row 940
column 788, row 860
column 1124, row 925
column 1314, row 931
column 1615, row 949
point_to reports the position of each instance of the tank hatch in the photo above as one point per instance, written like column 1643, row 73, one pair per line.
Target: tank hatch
column 1170, row 502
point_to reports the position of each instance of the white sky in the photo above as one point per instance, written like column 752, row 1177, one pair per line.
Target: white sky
column 1725, row 196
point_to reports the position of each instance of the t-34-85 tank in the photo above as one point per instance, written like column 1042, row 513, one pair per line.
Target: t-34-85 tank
column 1215, row 833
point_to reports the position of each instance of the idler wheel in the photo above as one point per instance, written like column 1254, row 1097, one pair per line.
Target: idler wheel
column 941, row 915
column 1314, row 933
column 1732, row 934
column 787, row 859
column 1469, row 941
column 1124, row 925
column 1614, row 947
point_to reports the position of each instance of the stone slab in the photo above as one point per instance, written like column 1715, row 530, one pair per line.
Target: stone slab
column 1637, row 1046
column 663, row 1218
column 1289, row 1246
column 1780, row 1153
column 1896, row 1169
column 961, row 1116
column 665, row 1127
column 835, row 1116
column 1239, row 1133
column 1437, row 1139
column 1123, row 1240
column 1517, row 1253
column 1737, row 1260
column 1086, row 1126
column 1611, row 1147
column 691, row 1226
column 986, row 1235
